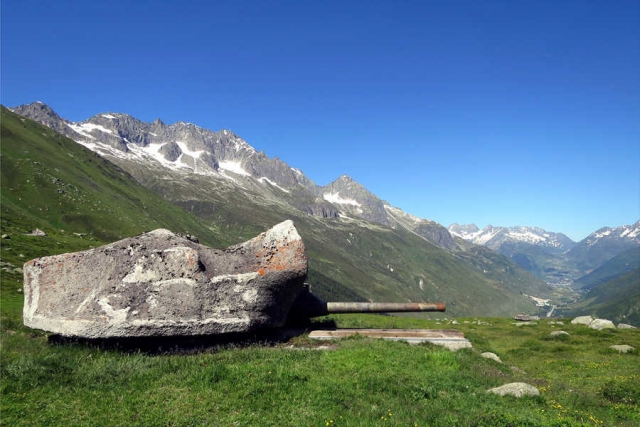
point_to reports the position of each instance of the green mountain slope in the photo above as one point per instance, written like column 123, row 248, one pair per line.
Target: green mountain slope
column 51, row 182
column 617, row 299
column 615, row 267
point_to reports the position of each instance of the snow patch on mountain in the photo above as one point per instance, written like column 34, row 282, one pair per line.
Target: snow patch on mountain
column 86, row 128
column 152, row 151
column 185, row 150
column 335, row 198
column 485, row 236
column 267, row 180
column 528, row 236
column 234, row 167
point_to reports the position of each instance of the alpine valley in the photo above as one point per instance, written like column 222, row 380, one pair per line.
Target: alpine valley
column 113, row 176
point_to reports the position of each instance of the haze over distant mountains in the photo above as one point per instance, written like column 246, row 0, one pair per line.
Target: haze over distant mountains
column 553, row 256
column 220, row 178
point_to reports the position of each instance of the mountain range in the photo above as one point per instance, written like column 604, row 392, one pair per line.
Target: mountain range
column 360, row 247
column 553, row 257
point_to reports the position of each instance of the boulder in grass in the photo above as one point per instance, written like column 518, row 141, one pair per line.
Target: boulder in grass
column 515, row 389
column 625, row 326
column 162, row 284
column 600, row 324
column 582, row 320
column 622, row 348
column 492, row 356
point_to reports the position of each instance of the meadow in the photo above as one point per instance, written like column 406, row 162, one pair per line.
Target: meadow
column 351, row 382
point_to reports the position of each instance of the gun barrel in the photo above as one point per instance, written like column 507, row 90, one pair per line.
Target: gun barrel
column 383, row 307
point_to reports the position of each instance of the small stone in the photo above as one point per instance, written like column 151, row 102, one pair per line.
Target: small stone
column 582, row 320
column 600, row 324
column 622, row 348
column 625, row 326
column 559, row 333
column 515, row 389
column 517, row 370
column 6, row 236
column 492, row 356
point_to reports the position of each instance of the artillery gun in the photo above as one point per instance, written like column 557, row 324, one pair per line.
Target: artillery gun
column 161, row 284
column 308, row 306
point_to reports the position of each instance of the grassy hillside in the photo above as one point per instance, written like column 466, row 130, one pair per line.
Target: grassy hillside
column 352, row 382
column 617, row 299
column 51, row 182
column 615, row 267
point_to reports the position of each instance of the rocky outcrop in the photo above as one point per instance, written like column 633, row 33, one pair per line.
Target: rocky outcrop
column 162, row 284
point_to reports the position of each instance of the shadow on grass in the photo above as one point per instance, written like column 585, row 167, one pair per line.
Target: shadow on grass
column 161, row 345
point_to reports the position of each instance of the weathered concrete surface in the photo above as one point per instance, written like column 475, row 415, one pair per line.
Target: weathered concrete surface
column 161, row 284
column 449, row 338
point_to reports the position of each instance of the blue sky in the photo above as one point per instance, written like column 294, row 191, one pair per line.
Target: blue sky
column 488, row 112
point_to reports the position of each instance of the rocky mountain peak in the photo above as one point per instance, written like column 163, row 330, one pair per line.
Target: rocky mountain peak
column 42, row 113
column 463, row 230
column 353, row 198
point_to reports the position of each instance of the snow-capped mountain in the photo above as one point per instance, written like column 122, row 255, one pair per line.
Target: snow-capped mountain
column 189, row 150
column 604, row 244
column 180, row 147
column 627, row 233
column 495, row 237
column 551, row 256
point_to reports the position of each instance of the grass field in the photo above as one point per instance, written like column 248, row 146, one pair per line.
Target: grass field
column 355, row 382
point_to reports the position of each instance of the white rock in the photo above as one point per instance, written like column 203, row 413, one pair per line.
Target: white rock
column 515, row 389
column 558, row 333
column 600, row 324
column 492, row 356
column 625, row 326
column 582, row 320
column 622, row 348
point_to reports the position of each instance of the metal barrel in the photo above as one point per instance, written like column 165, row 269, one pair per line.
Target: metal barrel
column 307, row 306
column 383, row 307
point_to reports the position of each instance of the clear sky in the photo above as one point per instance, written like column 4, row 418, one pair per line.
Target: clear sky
column 487, row 112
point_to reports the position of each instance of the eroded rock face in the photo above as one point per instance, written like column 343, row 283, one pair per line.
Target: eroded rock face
column 161, row 284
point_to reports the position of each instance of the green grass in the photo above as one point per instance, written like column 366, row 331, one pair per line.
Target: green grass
column 358, row 382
